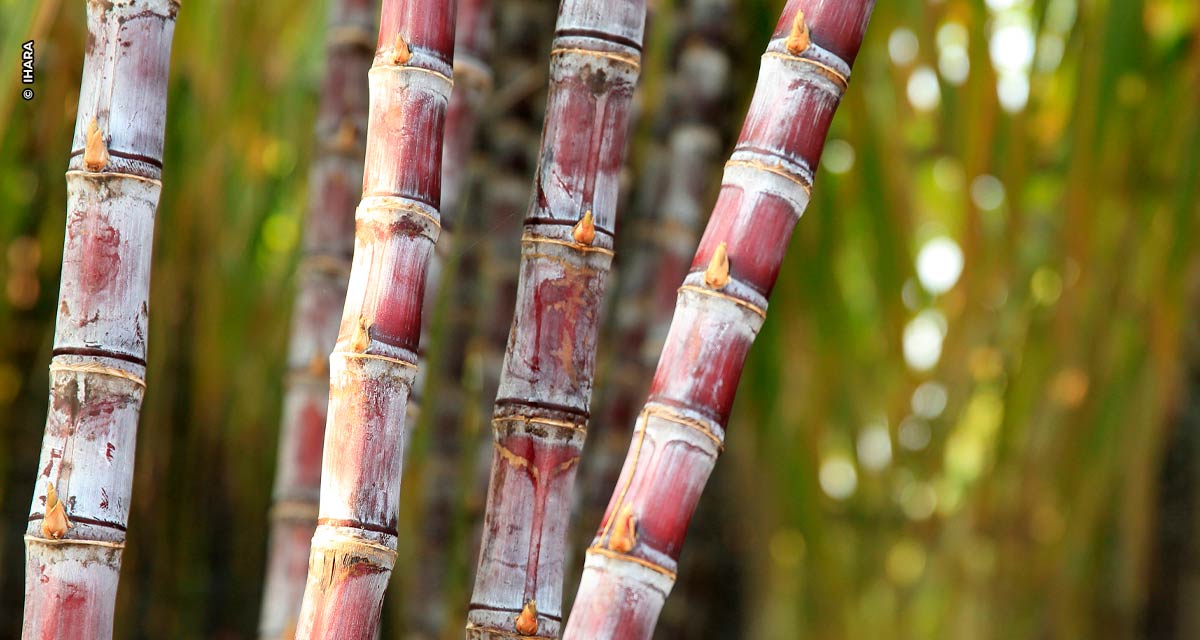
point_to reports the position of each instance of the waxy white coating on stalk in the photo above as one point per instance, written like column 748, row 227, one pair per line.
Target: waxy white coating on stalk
column 98, row 369
column 542, row 404
column 719, row 311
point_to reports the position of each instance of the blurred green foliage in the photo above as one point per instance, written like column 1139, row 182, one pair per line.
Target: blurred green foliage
column 904, row 462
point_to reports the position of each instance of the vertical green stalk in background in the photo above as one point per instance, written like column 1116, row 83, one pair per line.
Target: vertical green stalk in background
column 81, row 502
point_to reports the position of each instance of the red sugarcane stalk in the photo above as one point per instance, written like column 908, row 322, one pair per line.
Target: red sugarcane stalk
column 425, row 603
column 543, row 400
column 373, row 363
column 631, row 565
column 76, row 532
column 328, row 244
column 674, row 194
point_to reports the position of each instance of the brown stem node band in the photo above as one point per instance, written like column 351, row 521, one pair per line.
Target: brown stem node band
column 527, row 622
column 834, row 76
column 528, row 420
column 573, row 245
column 717, row 273
column 92, row 367
column 585, row 230
column 629, row 60
column 326, row 264
column 798, row 39
column 76, row 542
column 684, row 421
column 95, row 151
column 56, row 523
column 755, row 309
column 318, row 365
column 653, row 566
column 776, row 169
column 299, row 510
column 373, row 356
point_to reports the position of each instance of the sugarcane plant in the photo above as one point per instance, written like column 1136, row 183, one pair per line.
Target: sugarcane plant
column 630, row 567
column 373, row 364
column 324, row 268
column 542, row 404
column 674, row 192
column 77, row 522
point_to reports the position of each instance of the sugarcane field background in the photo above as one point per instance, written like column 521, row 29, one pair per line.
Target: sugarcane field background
column 973, row 410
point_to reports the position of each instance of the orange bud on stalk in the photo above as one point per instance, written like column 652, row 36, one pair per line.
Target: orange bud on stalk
column 56, row 523
column 717, row 273
column 95, row 151
column 527, row 622
column 798, row 40
column 362, row 336
column 624, row 534
column 585, row 230
column 401, row 54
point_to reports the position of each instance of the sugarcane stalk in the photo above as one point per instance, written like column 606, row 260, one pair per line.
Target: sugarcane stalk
column 674, row 195
column 524, row 30
column 542, row 405
column 630, row 567
column 77, row 521
column 328, row 243
column 373, row 364
column 426, row 601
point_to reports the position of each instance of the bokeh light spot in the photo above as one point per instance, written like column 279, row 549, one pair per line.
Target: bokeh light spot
column 837, row 477
column 939, row 264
